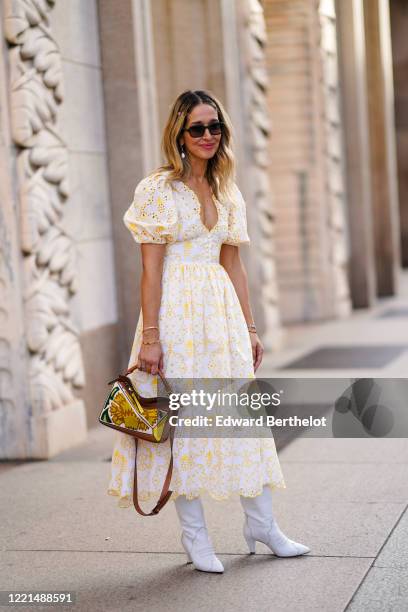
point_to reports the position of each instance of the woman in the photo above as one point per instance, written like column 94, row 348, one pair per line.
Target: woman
column 196, row 321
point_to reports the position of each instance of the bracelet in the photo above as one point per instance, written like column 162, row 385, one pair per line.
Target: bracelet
column 150, row 327
column 252, row 331
column 153, row 342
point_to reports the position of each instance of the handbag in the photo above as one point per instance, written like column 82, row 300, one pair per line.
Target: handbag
column 145, row 418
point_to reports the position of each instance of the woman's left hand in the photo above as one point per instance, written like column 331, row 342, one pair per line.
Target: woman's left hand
column 257, row 350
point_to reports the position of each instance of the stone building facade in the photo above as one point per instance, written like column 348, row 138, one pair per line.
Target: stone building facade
column 85, row 88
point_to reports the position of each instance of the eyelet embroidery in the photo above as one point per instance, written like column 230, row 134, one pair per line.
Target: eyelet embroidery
column 198, row 207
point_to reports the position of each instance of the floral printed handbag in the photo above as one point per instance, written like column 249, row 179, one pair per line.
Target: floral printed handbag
column 140, row 417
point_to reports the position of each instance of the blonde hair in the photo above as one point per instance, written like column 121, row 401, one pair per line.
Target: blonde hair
column 220, row 171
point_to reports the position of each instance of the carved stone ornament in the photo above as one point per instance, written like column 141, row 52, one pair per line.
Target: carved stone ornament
column 36, row 91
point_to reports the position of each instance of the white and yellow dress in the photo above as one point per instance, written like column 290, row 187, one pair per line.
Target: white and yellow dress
column 203, row 334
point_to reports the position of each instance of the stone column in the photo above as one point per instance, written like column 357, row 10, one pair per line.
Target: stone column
column 14, row 393
column 334, row 229
column 129, row 83
column 382, row 143
column 306, row 153
column 47, row 360
column 247, row 86
column 351, row 33
column 399, row 39
column 147, row 90
column 188, row 48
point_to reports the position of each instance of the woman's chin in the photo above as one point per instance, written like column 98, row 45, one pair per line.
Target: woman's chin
column 202, row 154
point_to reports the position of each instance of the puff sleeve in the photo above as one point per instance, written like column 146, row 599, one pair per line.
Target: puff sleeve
column 152, row 216
column 237, row 221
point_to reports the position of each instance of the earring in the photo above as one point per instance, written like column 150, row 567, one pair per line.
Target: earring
column 183, row 154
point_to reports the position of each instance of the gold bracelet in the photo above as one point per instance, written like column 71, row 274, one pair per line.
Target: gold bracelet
column 153, row 342
column 252, row 331
column 150, row 327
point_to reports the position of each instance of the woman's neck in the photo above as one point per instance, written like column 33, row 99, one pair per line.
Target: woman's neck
column 198, row 170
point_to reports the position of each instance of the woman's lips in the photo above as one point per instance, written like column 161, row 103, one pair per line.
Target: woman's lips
column 211, row 146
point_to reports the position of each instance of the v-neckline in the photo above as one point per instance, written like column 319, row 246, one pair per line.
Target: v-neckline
column 199, row 207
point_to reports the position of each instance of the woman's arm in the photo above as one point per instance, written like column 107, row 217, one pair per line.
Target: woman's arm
column 150, row 356
column 230, row 259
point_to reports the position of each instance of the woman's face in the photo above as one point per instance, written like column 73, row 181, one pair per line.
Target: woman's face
column 206, row 146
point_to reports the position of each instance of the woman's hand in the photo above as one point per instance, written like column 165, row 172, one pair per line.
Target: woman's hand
column 257, row 350
column 150, row 358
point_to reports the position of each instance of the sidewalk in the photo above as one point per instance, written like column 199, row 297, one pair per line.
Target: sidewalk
column 345, row 498
column 377, row 339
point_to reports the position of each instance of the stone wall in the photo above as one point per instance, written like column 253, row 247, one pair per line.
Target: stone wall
column 75, row 26
column 40, row 253
column 57, row 278
column 334, row 233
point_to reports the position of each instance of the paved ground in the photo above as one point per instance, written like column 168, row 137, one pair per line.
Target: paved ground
column 346, row 498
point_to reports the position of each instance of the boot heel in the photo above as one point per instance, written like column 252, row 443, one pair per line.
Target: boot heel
column 189, row 559
column 250, row 541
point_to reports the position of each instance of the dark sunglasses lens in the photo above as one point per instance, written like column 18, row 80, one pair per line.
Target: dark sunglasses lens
column 215, row 128
column 196, row 131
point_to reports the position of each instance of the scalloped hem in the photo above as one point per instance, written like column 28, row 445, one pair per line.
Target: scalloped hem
column 127, row 501
column 123, row 502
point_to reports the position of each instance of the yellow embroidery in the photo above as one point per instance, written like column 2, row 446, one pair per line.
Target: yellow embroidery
column 189, row 347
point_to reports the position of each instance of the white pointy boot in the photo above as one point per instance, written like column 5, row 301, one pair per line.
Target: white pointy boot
column 194, row 538
column 261, row 526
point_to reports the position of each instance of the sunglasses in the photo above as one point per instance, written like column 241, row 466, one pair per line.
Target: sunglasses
column 198, row 131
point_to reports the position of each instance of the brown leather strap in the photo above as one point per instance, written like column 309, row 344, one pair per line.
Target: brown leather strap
column 165, row 493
